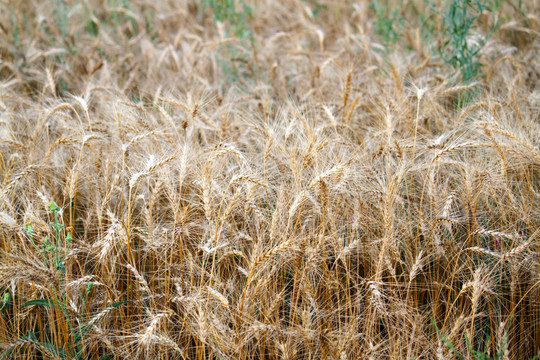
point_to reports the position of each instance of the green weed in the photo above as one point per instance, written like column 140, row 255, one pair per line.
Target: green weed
column 237, row 21
column 461, row 45
column 388, row 23
column 477, row 354
column 237, row 15
column 53, row 252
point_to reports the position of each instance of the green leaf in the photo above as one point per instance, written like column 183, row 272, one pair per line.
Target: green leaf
column 118, row 303
column 446, row 341
column 29, row 229
column 40, row 302
column 92, row 27
column 53, row 206
column 7, row 297
column 6, row 301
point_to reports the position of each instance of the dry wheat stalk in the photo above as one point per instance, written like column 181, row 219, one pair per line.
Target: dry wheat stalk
column 237, row 212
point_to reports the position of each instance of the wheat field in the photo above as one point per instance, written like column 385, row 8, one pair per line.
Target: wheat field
column 297, row 179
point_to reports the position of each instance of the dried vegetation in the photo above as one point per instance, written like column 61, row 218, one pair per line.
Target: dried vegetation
column 301, row 190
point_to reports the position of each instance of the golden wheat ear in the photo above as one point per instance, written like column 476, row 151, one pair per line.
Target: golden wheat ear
column 249, row 180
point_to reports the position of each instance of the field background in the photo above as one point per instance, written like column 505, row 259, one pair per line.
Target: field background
column 229, row 179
